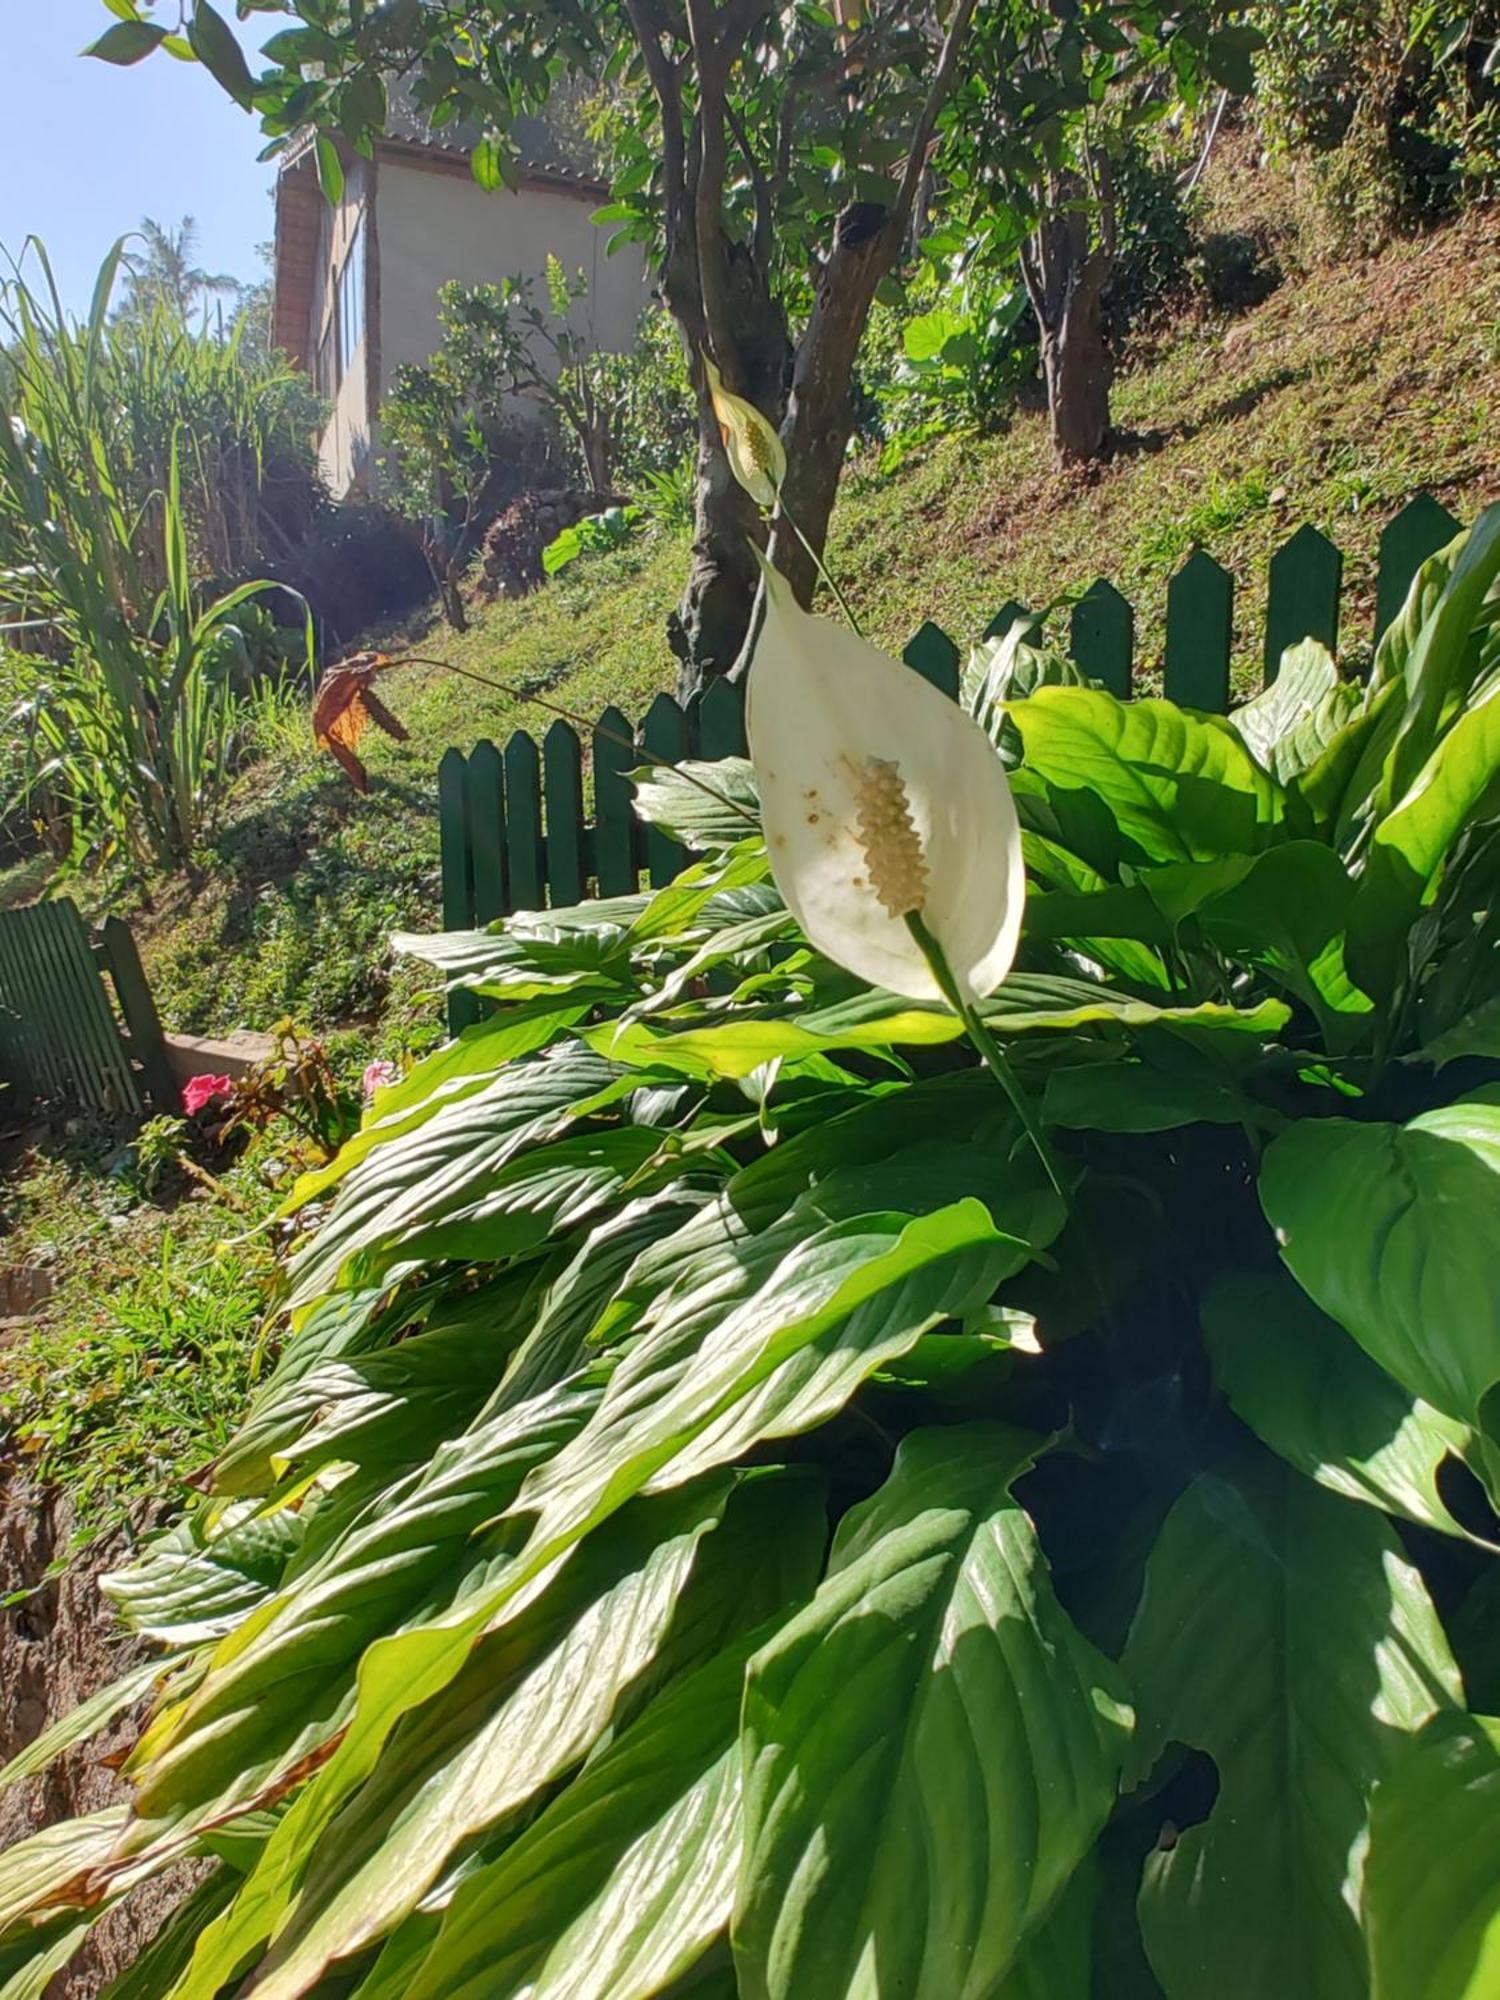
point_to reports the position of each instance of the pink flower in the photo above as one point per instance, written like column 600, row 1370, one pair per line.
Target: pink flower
column 377, row 1077
column 201, row 1091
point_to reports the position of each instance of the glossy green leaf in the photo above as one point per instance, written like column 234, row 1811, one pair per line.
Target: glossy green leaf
column 705, row 806
column 527, row 1707
column 630, row 1872
column 447, row 1171
column 1283, row 1632
column 787, row 1358
column 927, row 1826
column 1143, row 781
column 1412, row 842
column 213, row 42
column 1271, row 724
column 1025, row 1004
column 1391, row 1229
column 127, row 42
column 1432, row 1880
column 202, row 1576
column 1309, row 1392
column 278, row 1688
column 1135, row 1097
column 1287, row 917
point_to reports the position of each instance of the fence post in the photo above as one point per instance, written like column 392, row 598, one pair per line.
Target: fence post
column 458, row 873
column 147, row 1043
column 1200, row 612
column 1306, row 576
column 1102, row 637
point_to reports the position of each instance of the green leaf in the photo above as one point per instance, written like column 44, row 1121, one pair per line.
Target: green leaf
column 1270, row 721
column 1025, row 1004
column 488, row 163
column 1229, row 56
column 529, row 1704
column 447, row 1170
column 1283, row 1632
column 85, row 1720
column 1311, row 1394
column 625, row 1880
column 127, row 42
column 691, row 1397
column 191, row 1585
column 279, row 1687
column 930, row 1748
column 1392, row 1230
column 1477, row 1034
column 1056, row 1960
column 213, row 43
column 1412, row 842
column 48, row 1873
column 1287, row 916
column 1142, row 781
column 330, row 169
column 1432, row 1880
column 1135, row 1097
column 669, row 798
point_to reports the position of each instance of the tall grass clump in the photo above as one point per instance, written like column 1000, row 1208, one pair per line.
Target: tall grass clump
column 116, row 442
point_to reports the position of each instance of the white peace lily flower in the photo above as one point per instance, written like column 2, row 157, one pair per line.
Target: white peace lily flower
column 757, row 457
column 881, row 799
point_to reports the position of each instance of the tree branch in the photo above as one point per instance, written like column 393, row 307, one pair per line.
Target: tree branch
column 926, row 125
column 708, row 194
column 765, row 217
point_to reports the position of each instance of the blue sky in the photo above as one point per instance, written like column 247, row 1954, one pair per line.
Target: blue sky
column 86, row 149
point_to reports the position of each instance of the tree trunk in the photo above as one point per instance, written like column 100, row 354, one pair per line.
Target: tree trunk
column 1065, row 276
column 708, row 628
column 820, row 414
column 707, row 631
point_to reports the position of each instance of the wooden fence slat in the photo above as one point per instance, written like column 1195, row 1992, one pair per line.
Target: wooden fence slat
column 523, row 821
column 107, row 1026
column 1306, row 575
column 562, row 771
column 721, row 720
column 1102, row 637
column 484, row 802
column 1422, row 527
column 614, row 817
column 935, row 657
column 664, row 737
column 147, row 1043
column 34, row 999
column 76, row 1074
column 1200, row 615
column 17, row 1035
column 458, row 881
column 93, row 1019
column 458, row 872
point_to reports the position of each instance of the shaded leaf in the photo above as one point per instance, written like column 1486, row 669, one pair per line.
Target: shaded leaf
column 902, row 1830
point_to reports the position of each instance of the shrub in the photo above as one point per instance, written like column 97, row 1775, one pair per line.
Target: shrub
column 721, row 1522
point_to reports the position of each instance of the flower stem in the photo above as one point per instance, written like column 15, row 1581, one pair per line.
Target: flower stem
column 822, row 569
column 987, row 1047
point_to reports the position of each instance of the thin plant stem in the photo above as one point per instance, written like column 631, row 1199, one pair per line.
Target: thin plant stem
column 823, row 571
column 582, row 722
column 987, row 1048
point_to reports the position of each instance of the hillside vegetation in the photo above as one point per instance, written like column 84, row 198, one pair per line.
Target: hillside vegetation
column 1351, row 386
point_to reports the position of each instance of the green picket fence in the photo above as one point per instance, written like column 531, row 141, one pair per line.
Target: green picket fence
column 515, row 834
column 62, row 1038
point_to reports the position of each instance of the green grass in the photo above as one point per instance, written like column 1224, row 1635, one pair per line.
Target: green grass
column 132, row 1374
column 1349, row 388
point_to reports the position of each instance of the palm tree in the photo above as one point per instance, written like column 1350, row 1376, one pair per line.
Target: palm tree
column 164, row 273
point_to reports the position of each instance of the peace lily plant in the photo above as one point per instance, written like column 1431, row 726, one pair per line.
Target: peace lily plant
column 720, row 1526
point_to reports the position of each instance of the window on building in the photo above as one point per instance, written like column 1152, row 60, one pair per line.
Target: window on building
column 351, row 305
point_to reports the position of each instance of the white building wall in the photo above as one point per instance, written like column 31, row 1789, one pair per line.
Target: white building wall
column 437, row 226
column 345, row 448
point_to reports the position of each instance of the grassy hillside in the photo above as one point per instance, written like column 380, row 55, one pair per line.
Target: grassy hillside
column 1351, row 386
